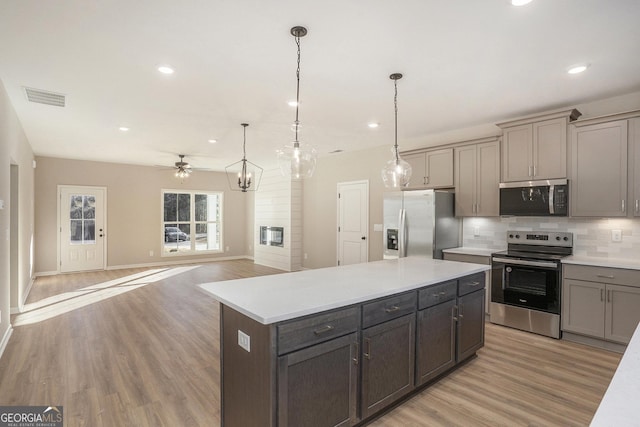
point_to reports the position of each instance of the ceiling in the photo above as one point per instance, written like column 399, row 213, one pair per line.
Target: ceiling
column 465, row 63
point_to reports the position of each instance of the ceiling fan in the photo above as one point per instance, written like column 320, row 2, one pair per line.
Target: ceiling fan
column 183, row 169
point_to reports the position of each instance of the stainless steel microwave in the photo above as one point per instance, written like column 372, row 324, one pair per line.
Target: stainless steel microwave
column 535, row 198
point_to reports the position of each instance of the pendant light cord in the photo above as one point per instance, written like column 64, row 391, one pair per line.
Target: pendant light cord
column 244, row 141
column 395, row 105
column 297, row 123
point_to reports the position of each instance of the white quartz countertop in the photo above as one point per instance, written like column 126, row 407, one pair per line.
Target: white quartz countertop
column 471, row 251
column 279, row 297
column 619, row 406
column 632, row 264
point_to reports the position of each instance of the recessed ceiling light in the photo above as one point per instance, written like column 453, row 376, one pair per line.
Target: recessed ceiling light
column 123, row 128
column 212, row 141
column 165, row 69
column 577, row 69
column 292, row 103
column 373, row 125
column 520, row 2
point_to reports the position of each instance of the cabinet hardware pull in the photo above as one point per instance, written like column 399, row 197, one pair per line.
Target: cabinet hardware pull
column 392, row 309
column 608, row 295
column 535, row 170
column 323, row 330
column 606, row 277
column 474, row 283
column 530, row 174
column 601, row 294
column 443, row 293
column 357, row 350
column 623, row 205
column 367, row 352
column 426, row 179
column 461, row 311
column 637, row 205
column 453, row 313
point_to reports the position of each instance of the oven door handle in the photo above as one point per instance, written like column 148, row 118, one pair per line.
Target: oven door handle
column 525, row 262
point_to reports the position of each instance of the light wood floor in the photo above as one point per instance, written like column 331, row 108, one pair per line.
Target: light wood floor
column 141, row 348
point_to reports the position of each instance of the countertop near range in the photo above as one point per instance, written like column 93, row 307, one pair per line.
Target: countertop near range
column 631, row 264
column 619, row 404
column 463, row 250
column 279, row 297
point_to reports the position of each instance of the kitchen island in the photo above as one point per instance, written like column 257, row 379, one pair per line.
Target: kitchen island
column 335, row 346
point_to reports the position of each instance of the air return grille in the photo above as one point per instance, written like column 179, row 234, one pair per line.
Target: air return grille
column 44, row 97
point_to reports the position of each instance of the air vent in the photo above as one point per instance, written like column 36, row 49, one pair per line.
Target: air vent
column 44, row 97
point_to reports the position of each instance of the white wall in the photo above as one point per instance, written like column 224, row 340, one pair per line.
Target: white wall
column 278, row 203
column 14, row 150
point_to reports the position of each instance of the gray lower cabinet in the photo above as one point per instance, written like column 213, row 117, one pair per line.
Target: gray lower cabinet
column 470, row 327
column 388, row 351
column 318, row 386
column 436, row 350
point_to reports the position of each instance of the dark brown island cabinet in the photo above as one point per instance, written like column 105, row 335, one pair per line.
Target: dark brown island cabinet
column 343, row 367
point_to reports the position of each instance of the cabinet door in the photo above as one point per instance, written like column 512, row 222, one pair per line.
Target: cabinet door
column 388, row 358
column 550, row 149
column 436, row 342
column 634, row 164
column 318, row 386
column 418, row 164
column 465, row 180
column 439, row 168
column 488, row 180
column 470, row 331
column 599, row 170
column 517, row 164
column 622, row 312
column 583, row 307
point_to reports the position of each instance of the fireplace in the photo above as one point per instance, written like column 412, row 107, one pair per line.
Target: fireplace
column 272, row 236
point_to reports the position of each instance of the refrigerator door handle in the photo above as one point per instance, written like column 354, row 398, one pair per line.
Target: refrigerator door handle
column 402, row 234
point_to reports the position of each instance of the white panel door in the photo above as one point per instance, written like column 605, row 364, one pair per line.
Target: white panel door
column 82, row 228
column 353, row 222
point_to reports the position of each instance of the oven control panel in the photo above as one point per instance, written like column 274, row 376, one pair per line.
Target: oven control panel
column 542, row 238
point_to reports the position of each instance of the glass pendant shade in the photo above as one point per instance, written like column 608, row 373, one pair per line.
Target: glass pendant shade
column 243, row 175
column 397, row 172
column 296, row 161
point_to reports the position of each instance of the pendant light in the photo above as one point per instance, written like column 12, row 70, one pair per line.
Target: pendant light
column 397, row 172
column 243, row 175
column 296, row 161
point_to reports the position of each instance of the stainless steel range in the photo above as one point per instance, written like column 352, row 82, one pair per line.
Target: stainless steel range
column 526, row 281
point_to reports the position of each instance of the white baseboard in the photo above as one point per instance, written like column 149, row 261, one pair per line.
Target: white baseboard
column 5, row 340
column 45, row 273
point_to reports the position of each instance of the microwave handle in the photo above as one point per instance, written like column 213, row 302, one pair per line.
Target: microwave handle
column 551, row 194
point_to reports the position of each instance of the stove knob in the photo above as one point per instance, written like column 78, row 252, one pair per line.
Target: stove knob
column 558, row 237
column 517, row 236
column 565, row 238
column 511, row 236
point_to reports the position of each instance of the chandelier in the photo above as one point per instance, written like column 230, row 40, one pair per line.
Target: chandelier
column 243, row 175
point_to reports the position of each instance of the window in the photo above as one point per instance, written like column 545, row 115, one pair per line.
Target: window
column 82, row 214
column 191, row 222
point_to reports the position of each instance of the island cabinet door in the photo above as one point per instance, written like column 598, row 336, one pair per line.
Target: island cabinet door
column 317, row 386
column 436, row 342
column 388, row 361
column 470, row 324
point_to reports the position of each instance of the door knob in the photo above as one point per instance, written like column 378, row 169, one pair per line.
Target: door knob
column 363, row 238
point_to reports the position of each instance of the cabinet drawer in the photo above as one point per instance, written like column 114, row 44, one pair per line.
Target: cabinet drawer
column 471, row 283
column 388, row 308
column 615, row 276
column 316, row 329
column 437, row 294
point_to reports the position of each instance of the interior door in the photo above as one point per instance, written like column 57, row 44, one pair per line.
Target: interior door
column 353, row 222
column 82, row 228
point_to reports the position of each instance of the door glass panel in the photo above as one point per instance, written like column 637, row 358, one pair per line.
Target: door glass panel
column 82, row 224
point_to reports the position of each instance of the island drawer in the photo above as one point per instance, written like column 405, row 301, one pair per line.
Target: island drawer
column 614, row 276
column 437, row 294
column 471, row 283
column 315, row 329
column 388, row 308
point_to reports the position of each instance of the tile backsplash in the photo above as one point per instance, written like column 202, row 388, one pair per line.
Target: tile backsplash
column 591, row 237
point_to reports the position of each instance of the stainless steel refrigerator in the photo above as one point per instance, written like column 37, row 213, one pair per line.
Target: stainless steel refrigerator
column 419, row 222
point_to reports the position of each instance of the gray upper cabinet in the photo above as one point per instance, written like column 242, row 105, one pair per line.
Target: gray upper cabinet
column 634, row 165
column 535, row 148
column 476, row 179
column 431, row 168
column 599, row 170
